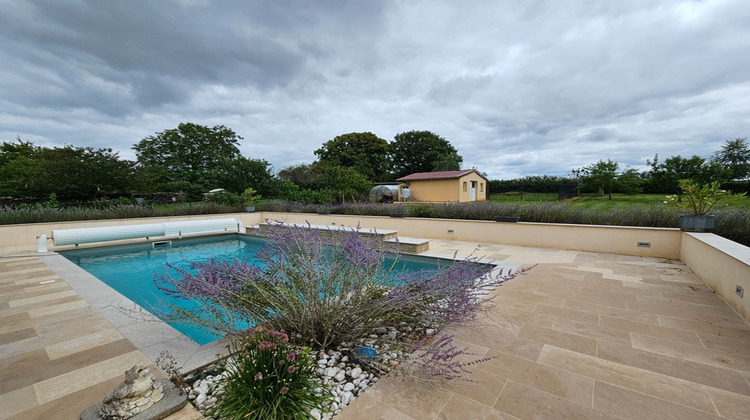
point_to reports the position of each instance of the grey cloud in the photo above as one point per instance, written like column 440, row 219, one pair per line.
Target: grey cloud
column 517, row 87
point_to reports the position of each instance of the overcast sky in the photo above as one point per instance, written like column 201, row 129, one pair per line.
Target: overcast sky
column 518, row 87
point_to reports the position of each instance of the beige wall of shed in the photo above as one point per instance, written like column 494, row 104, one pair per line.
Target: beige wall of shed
column 436, row 190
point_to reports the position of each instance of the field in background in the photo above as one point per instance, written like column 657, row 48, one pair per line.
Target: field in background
column 594, row 202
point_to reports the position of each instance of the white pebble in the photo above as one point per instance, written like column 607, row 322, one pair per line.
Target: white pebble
column 349, row 386
column 354, row 373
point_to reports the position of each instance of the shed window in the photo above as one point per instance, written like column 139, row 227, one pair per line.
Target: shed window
column 464, row 185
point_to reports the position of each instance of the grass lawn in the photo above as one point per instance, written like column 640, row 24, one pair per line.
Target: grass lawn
column 523, row 197
column 593, row 202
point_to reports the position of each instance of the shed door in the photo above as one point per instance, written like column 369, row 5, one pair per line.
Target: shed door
column 473, row 191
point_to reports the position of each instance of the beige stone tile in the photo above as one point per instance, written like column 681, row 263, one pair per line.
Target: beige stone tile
column 25, row 272
column 492, row 337
column 460, row 408
column 188, row 412
column 500, row 301
column 554, row 381
column 17, row 335
column 17, row 401
column 650, row 329
column 79, row 379
column 72, row 405
column 594, row 308
column 570, row 314
column 514, row 319
column 54, row 309
column 32, row 281
column 411, row 397
column 532, row 297
column 42, row 298
column 726, row 344
column 650, row 383
column 721, row 315
column 591, row 331
column 615, row 401
column 731, row 405
column 679, row 368
column 701, row 326
column 702, row 295
column 82, row 343
column 585, row 296
column 529, row 403
column 481, row 385
column 573, row 342
column 698, row 354
column 371, row 406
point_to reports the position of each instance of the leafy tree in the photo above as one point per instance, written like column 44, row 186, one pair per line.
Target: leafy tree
column 664, row 177
column 422, row 151
column 602, row 175
column 69, row 172
column 305, row 176
column 629, row 182
column 189, row 153
column 346, row 182
column 238, row 174
column 735, row 156
column 366, row 153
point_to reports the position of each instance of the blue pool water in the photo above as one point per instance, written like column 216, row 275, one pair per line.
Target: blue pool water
column 130, row 269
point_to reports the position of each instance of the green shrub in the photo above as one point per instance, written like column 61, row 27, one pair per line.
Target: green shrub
column 268, row 379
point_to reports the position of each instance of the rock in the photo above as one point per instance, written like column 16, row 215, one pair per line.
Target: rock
column 380, row 330
column 355, row 372
column 339, row 376
column 200, row 399
column 346, row 397
column 315, row 413
column 334, row 406
column 430, row 332
column 349, row 386
column 330, row 372
column 138, row 392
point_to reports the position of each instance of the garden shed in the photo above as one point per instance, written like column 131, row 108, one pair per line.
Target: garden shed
column 457, row 186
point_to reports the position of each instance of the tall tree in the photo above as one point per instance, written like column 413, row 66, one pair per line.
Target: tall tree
column 422, row 151
column 664, row 176
column 735, row 156
column 70, row 172
column 365, row 152
column 189, row 153
column 241, row 173
column 602, row 175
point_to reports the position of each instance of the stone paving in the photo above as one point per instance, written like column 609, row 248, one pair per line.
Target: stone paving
column 581, row 335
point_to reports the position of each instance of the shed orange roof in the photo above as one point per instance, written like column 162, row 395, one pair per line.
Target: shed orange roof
column 420, row 176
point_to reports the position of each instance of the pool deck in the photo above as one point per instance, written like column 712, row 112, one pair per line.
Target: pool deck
column 582, row 335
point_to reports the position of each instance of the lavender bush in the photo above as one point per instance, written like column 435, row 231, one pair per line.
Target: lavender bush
column 329, row 290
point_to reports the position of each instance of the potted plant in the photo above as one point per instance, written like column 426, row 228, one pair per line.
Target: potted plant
column 250, row 198
column 699, row 199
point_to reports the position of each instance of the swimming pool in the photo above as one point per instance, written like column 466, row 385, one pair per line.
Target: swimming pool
column 130, row 269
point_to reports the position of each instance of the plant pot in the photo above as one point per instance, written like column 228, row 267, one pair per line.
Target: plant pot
column 249, row 208
column 692, row 223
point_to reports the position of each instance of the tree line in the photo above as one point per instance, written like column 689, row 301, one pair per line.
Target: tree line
column 187, row 161
column 729, row 166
